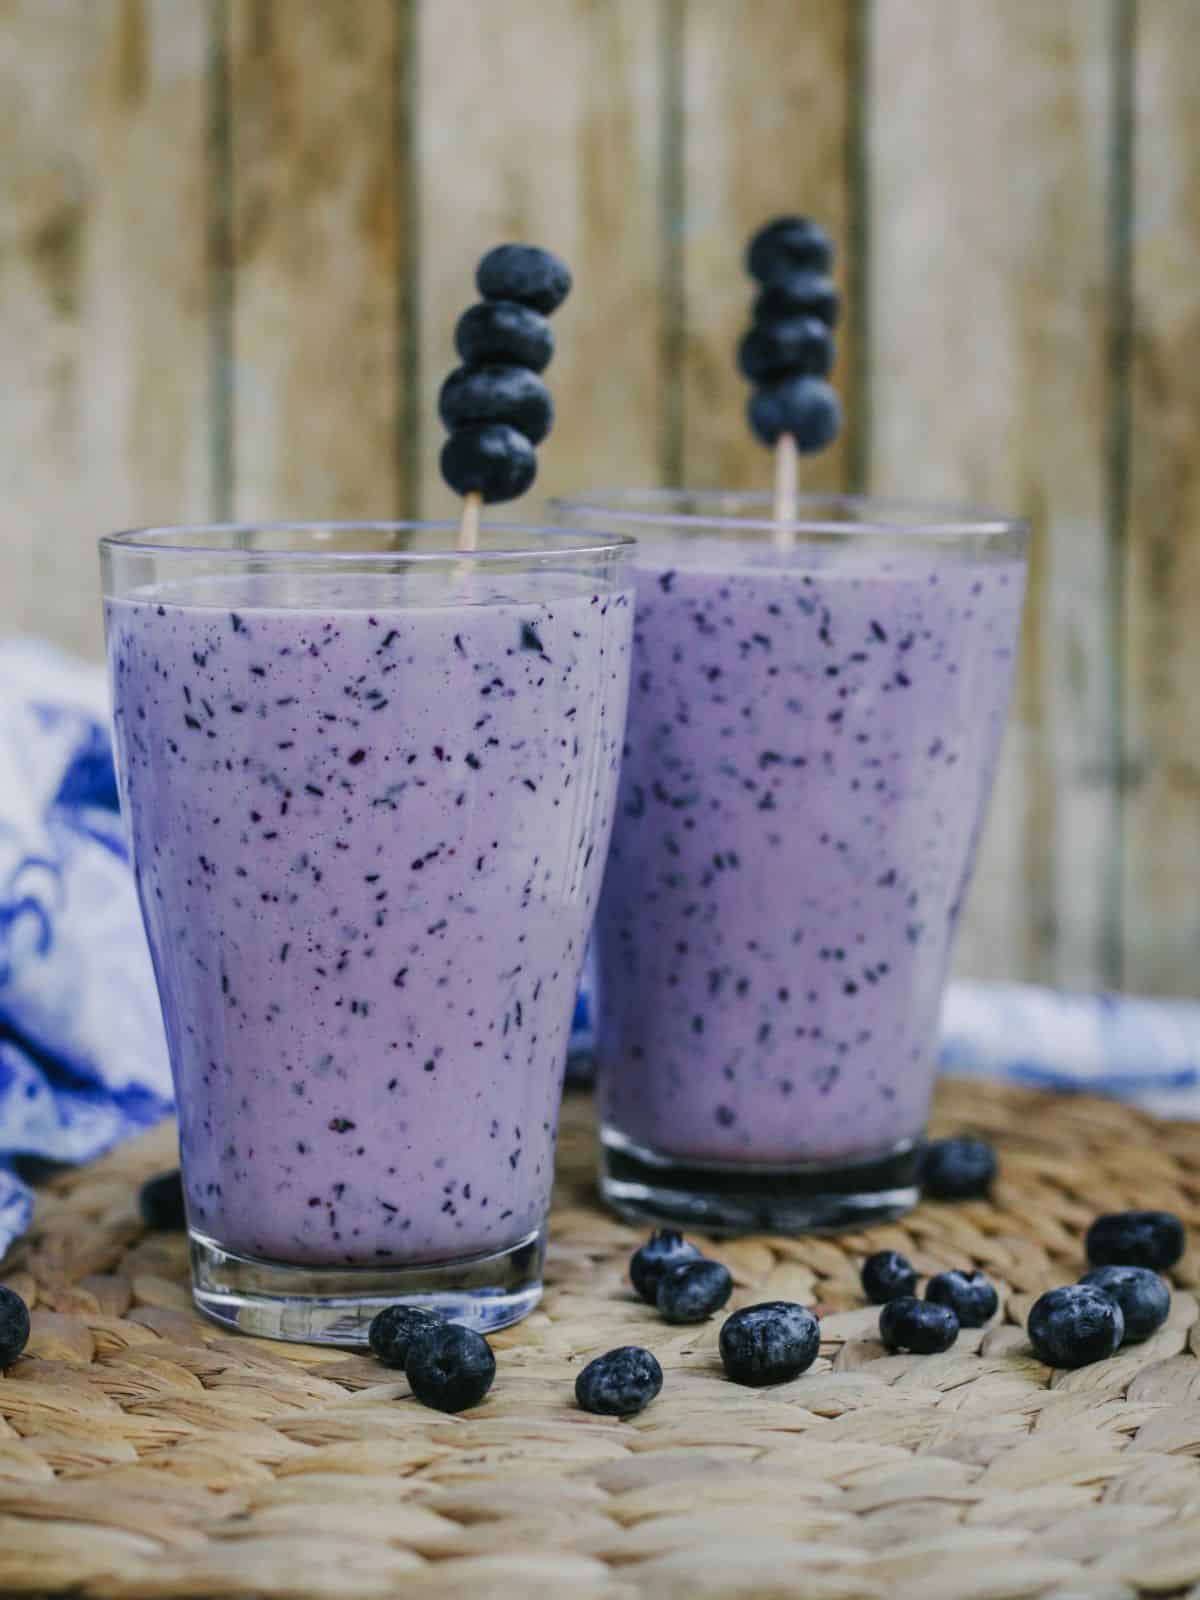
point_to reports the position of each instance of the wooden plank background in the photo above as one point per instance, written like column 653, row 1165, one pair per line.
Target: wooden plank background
column 235, row 235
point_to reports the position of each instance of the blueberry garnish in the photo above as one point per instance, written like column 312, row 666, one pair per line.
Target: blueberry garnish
column 693, row 1291
column 920, row 1326
column 620, row 1383
column 798, row 294
column 502, row 330
column 799, row 346
column 161, row 1203
column 497, row 393
column 450, row 1368
column 887, row 1275
column 769, row 1343
column 807, row 408
column 492, row 460
column 395, row 1327
column 958, row 1169
column 523, row 273
column 1152, row 1239
column 968, row 1294
column 1143, row 1297
column 664, row 1248
column 14, row 1326
column 788, row 244
column 1074, row 1326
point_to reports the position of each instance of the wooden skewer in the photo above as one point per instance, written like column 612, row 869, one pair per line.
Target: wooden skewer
column 468, row 528
column 786, row 472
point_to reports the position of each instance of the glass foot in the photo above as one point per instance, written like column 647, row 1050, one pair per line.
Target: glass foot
column 335, row 1305
column 644, row 1185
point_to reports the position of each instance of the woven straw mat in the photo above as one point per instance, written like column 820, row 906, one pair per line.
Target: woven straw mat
column 145, row 1453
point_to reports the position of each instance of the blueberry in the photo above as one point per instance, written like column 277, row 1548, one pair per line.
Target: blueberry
column 497, row 394
column 958, row 1169
column 794, row 347
column 968, row 1294
column 161, row 1203
column 492, row 460
column 921, row 1326
column 1135, row 1239
column 1142, row 1295
column 619, row 1384
column 807, row 408
column 450, row 1368
column 523, row 273
column 887, row 1275
column 693, row 1291
column 502, row 330
column 14, row 1326
column 798, row 294
column 1073, row 1326
column 664, row 1248
column 394, row 1329
column 769, row 1343
column 788, row 244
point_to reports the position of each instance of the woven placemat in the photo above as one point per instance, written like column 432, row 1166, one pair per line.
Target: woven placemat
column 145, row 1453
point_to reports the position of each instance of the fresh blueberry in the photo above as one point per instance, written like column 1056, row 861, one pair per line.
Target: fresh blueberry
column 14, row 1326
column 523, row 273
column 492, row 460
column 693, row 1291
column 798, row 294
column 887, row 1275
column 788, row 244
column 795, row 347
column 497, row 394
column 1074, row 1326
column 1151, row 1239
column 393, row 1330
column 958, row 1169
column 450, row 1368
column 161, row 1203
column 968, row 1294
column 664, row 1248
column 769, row 1343
column 921, row 1326
column 502, row 330
column 807, row 408
column 1142, row 1295
column 619, row 1384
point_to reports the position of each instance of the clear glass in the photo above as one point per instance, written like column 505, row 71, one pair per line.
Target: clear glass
column 813, row 727
column 369, row 782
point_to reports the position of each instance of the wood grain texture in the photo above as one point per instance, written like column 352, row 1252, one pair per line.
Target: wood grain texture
column 547, row 129
column 103, row 292
column 988, row 206
column 1162, row 642
column 766, row 116
column 318, row 187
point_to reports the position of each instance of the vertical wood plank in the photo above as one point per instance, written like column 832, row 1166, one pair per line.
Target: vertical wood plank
column 545, row 127
column 1162, row 821
column 103, row 289
column 768, row 90
column 318, row 195
column 990, row 129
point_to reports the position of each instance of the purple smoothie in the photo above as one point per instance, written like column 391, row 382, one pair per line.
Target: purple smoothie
column 368, row 847
column 811, row 743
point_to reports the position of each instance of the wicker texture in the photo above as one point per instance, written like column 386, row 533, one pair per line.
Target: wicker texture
column 146, row 1454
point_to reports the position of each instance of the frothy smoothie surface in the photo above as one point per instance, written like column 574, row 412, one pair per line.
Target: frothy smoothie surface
column 811, row 743
column 370, row 818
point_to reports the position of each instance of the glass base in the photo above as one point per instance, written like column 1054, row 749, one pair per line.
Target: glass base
column 644, row 1185
column 335, row 1305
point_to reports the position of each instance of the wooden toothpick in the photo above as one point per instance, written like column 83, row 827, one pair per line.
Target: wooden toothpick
column 786, row 465
column 468, row 528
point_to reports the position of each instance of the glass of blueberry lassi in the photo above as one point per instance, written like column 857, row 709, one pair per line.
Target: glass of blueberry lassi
column 369, row 779
column 815, row 713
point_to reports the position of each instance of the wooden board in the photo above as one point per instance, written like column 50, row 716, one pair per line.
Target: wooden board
column 103, row 290
column 1162, row 642
column 989, row 143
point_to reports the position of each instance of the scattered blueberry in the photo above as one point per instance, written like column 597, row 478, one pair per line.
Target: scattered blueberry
column 958, row 1169
column 497, row 394
column 450, row 1368
column 393, row 1330
column 1152, row 1239
column 492, row 460
column 788, row 244
column 619, row 1384
column 1142, row 1295
column 798, row 294
column 922, row 1326
column 797, row 346
column 807, row 408
column 161, row 1203
column 693, row 1291
column 968, row 1294
column 664, row 1248
column 887, row 1275
column 523, row 273
column 14, row 1326
column 769, row 1343
column 502, row 330
column 1074, row 1326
